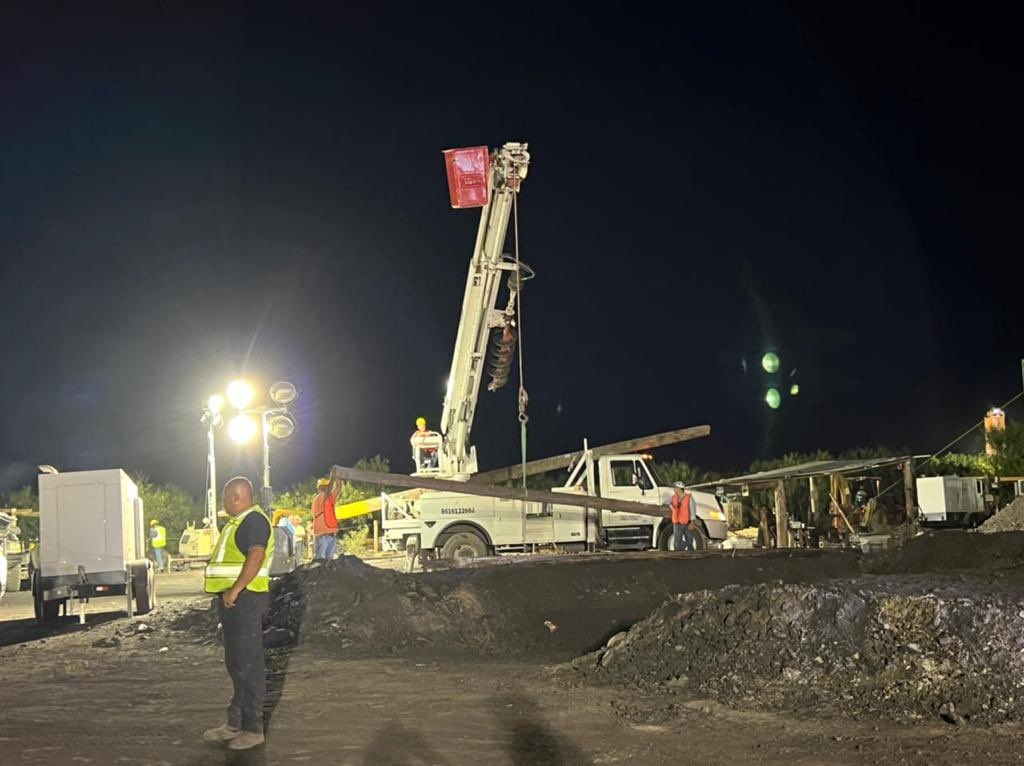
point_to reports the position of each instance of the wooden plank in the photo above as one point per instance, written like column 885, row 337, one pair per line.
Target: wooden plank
column 624, row 447
column 505, row 493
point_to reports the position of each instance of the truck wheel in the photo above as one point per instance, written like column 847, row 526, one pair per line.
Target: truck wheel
column 700, row 539
column 665, row 538
column 144, row 589
column 464, row 545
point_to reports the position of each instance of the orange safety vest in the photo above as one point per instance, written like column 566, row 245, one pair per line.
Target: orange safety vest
column 681, row 508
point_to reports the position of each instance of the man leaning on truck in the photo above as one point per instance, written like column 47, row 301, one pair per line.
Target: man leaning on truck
column 239, row 573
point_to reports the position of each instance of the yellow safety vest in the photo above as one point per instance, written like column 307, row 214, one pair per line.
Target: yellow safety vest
column 160, row 541
column 226, row 560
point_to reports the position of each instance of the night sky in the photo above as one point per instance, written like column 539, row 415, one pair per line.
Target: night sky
column 191, row 195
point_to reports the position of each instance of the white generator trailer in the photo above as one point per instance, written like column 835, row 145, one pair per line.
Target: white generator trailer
column 92, row 543
column 954, row 501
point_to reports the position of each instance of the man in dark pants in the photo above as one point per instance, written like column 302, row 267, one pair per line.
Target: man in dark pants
column 239, row 573
column 682, row 514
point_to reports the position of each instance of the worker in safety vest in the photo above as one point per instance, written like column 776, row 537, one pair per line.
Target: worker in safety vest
column 239, row 574
column 424, row 445
column 158, row 542
column 683, row 508
column 325, row 523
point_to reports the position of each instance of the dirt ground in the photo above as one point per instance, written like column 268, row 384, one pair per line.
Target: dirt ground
column 118, row 692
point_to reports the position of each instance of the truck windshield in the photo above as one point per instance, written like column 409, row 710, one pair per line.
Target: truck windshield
column 654, row 474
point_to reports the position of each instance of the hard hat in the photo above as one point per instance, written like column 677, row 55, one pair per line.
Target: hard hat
column 421, row 421
column 153, row 522
column 680, row 485
column 323, row 483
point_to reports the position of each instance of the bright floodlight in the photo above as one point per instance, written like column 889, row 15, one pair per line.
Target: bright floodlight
column 242, row 429
column 770, row 362
column 215, row 403
column 794, row 389
column 772, row 398
column 240, row 394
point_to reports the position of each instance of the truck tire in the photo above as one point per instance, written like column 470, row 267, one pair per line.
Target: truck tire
column 700, row 538
column 666, row 538
column 464, row 545
column 144, row 590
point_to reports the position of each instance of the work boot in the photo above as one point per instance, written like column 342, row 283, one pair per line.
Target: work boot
column 245, row 740
column 223, row 733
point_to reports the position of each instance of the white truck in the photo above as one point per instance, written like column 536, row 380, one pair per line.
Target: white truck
column 454, row 524
column 954, row 500
column 91, row 542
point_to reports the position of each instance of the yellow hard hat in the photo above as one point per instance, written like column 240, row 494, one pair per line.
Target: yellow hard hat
column 153, row 522
column 323, row 483
column 421, row 421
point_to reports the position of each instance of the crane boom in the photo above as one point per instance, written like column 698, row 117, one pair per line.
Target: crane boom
column 480, row 315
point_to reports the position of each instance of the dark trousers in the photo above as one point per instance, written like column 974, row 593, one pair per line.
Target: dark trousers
column 682, row 537
column 243, row 655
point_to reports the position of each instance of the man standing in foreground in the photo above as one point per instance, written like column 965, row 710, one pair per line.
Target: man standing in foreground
column 682, row 513
column 239, row 573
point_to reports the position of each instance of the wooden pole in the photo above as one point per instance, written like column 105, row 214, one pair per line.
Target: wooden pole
column 507, row 493
column 908, row 490
column 376, row 536
column 561, row 461
column 814, row 502
column 781, row 523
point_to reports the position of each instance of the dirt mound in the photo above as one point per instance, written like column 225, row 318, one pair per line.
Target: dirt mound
column 545, row 608
column 947, row 550
column 1009, row 519
column 901, row 647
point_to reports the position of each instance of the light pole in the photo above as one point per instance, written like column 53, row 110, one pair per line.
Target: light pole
column 274, row 422
column 212, row 419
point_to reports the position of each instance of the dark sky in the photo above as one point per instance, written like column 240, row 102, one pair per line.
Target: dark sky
column 190, row 195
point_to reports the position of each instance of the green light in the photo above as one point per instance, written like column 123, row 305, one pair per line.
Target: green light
column 770, row 362
column 772, row 398
column 794, row 390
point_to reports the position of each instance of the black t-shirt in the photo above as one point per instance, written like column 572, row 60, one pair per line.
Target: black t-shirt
column 254, row 530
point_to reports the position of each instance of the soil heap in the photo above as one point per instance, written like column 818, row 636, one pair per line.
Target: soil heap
column 1009, row 519
column 904, row 647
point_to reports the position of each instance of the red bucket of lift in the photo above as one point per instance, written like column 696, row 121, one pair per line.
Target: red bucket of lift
column 467, row 176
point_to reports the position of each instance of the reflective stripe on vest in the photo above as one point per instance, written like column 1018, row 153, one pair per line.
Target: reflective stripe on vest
column 160, row 541
column 227, row 559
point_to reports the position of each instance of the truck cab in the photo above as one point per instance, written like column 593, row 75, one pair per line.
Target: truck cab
column 635, row 478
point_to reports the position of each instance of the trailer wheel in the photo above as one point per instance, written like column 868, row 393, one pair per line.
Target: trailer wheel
column 46, row 611
column 144, row 588
column 464, row 545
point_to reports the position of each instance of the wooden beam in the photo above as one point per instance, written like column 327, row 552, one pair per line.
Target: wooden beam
column 561, row 461
column 505, row 493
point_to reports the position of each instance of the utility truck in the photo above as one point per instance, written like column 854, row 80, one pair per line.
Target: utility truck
column 954, row 500
column 455, row 524
column 92, row 543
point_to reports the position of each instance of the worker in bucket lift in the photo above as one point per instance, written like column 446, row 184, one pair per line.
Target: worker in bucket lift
column 424, row 445
column 683, row 507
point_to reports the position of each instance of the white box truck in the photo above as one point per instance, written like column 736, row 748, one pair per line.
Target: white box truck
column 92, row 544
column 954, row 500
